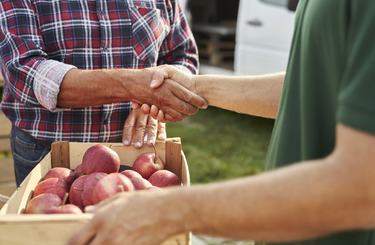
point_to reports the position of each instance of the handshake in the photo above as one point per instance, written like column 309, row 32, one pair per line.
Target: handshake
column 175, row 95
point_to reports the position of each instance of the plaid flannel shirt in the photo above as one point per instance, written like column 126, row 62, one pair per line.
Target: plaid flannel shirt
column 41, row 40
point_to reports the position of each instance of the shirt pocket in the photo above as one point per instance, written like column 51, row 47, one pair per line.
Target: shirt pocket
column 149, row 30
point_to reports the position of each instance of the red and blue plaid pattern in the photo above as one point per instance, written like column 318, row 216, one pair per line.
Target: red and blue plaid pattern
column 40, row 40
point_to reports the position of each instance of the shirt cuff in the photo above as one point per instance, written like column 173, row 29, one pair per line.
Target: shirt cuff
column 49, row 75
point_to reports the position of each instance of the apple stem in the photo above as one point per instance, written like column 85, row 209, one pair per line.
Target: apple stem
column 78, row 189
column 65, row 198
column 121, row 188
column 153, row 144
column 96, row 177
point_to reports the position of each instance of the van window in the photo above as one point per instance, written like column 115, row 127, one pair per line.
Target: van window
column 283, row 3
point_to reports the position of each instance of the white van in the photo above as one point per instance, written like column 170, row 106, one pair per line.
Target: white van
column 263, row 36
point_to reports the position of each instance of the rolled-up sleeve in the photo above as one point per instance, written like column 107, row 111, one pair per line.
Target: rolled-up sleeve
column 48, row 78
column 30, row 75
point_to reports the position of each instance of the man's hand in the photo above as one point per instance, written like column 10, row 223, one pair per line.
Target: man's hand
column 166, row 74
column 177, row 101
column 137, row 125
column 134, row 218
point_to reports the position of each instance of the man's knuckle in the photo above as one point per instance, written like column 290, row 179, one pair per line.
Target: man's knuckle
column 188, row 97
column 152, row 127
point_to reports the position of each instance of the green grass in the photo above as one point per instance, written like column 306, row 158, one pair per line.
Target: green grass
column 220, row 144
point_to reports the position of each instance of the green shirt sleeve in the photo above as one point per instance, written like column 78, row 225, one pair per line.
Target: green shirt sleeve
column 356, row 99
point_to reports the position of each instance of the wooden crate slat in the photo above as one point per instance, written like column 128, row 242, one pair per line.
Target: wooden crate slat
column 1, row 81
column 7, row 170
column 5, row 145
column 40, row 229
column 5, row 125
column 3, row 200
column 34, row 227
column 173, row 155
column 185, row 173
column 60, row 154
column 8, row 188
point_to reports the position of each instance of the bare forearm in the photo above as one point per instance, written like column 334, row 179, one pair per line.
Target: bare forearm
column 254, row 95
column 81, row 88
column 298, row 202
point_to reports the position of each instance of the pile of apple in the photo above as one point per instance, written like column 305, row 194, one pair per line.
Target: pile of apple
column 97, row 178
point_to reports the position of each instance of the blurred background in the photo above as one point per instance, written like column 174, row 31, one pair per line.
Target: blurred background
column 238, row 37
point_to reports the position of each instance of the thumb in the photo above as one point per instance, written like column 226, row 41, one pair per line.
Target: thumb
column 162, row 73
column 157, row 80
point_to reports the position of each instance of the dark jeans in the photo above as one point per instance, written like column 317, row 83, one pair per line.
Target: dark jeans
column 27, row 153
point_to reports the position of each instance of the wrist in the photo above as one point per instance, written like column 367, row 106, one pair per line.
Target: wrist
column 183, row 210
column 132, row 83
column 200, row 84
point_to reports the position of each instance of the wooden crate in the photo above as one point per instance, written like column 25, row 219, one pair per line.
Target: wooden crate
column 216, row 44
column 17, row 228
column 7, row 178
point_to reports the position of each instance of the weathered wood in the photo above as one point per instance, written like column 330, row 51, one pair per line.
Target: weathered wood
column 1, row 81
column 40, row 229
column 3, row 200
column 5, row 145
column 173, row 157
column 17, row 202
column 60, row 154
column 47, row 229
column 5, row 125
column 8, row 188
column 7, row 170
column 185, row 174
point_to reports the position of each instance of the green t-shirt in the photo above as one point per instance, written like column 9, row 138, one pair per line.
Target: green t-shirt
column 330, row 79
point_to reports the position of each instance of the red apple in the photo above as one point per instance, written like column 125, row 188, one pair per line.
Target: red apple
column 100, row 158
column 110, row 185
column 164, row 178
column 64, row 209
column 78, row 170
column 76, row 191
column 140, row 183
column 52, row 185
column 39, row 204
column 88, row 186
column 64, row 174
column 131, row 174
column 148, row 163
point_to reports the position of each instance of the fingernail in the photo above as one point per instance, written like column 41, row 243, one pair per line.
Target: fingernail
column 150, row 142
column 126, row 142
column 154, row 83
column 137, row 145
